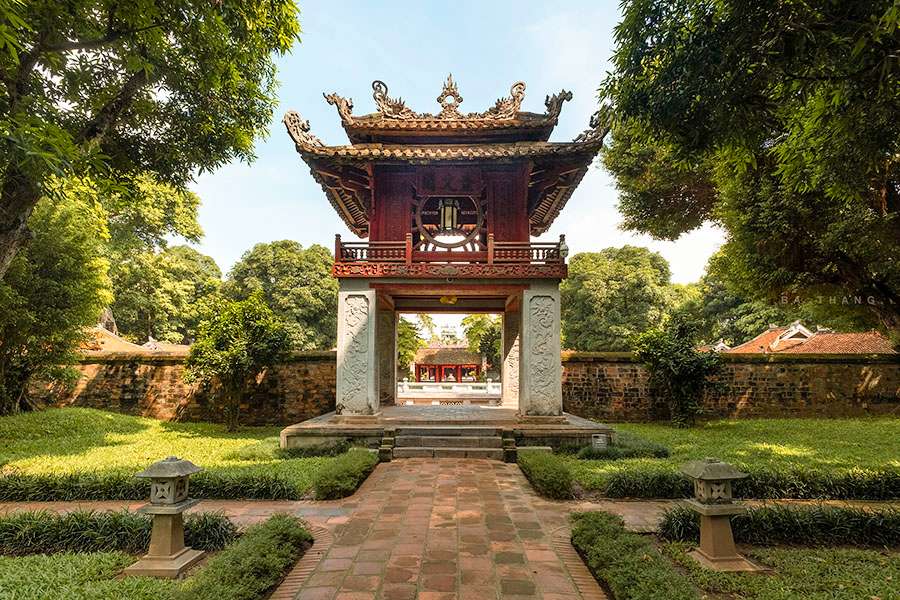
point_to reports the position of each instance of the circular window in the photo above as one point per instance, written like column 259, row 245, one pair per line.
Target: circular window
column 449, row 221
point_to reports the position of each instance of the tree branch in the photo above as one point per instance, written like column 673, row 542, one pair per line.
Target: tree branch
column 114, row 36
column 109, row 113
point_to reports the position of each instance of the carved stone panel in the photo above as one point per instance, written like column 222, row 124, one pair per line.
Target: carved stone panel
column 512, row 322
column 540, row 373
column 355, row 393
column 386, row 351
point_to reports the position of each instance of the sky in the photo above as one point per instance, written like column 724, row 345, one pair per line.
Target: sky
column 412, row 47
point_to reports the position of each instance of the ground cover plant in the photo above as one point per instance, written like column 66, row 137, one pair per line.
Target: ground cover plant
column 786, row 458
column 548, row 473
column 344, row 474
column 809, row 525
column 80, row 453
column 42, row 532
column 627, row 445
column 247, row 569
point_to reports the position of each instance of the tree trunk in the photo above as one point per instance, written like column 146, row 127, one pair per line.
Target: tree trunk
column 18, row 198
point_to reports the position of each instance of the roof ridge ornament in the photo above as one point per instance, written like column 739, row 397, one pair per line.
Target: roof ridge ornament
column 508, row 107
column 344, row 105
column 298, row 128
column 450, row 99
column 600, row 126
column 554, row 103
column 390, row 107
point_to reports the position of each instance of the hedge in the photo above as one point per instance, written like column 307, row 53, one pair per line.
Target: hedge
column 253, row 566
column 42, row 532
column 858, row 484
column 816, row 525
column 344, row 475
column 124, row 486
column 627, row 445
column 626, row 562
column 548, row 473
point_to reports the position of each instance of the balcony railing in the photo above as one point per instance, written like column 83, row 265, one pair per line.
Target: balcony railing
column 496, row 252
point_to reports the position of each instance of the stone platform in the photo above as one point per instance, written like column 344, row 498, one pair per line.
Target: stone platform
column 464, row 422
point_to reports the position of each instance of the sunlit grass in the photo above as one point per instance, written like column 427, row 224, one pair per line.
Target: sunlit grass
column 814, row 444
column 81, row 440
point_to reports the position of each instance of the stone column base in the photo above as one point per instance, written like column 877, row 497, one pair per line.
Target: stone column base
column 541, row 419
column 726, row 564
column 171, row 567
column 358, row 419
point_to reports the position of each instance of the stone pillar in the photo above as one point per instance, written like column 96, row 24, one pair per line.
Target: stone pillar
column 540, row 368
column 509, row 368
column 357, row 370
column 386, row 352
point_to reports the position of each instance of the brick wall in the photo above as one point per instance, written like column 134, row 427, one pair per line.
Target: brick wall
column 298, row 389
column 613, row 387
column 603, row 386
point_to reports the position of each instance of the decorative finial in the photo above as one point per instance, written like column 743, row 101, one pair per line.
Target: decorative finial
column 507, row 108
column 450, row 100
column 344, row 105
column 298, row 128
column 554, row 103
column 387, row 106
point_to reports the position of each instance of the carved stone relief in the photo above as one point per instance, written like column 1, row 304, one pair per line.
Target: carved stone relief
column 544, row 368
column 354, row 363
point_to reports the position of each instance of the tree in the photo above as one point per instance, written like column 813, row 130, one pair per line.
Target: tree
column 427, row 322
column 483, row 336
column 54, row 289
column 612, row 295
column 776, row 120
column 296, row 284
column 112, row 89
column 237, row 341
column 679, row 373
column 161, row 295
column 408, row 343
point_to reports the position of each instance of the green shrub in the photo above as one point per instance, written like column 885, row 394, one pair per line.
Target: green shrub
column 626, row 562
column 548, row 473
column 43, row 532
column 123, row 486
column 647, row 481
column 628, row 445
column 253, row 566
column 817, row 525
column 344, row 475
column 332, row 449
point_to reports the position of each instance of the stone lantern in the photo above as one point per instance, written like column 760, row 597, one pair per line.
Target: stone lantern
column 167, row 556
column 713, row 499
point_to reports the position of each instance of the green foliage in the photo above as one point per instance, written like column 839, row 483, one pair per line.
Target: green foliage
column 626, row 562
column 24, row 533
column 251, row 567
column 612, row 295
column 54, row 289
column 807, row 573
column 77, row 576
column 817, row 525
column 548, row 473
column 297, row 285
column 113, row 89
column 776, row 120
column 786, row 458
column 628, row 445
column 235, row 343
column 344, row 475
column 409, row 340
column 80, row 453
column 482, row 333
column 679, row 373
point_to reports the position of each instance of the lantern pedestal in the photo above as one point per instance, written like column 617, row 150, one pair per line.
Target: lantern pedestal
column 717, row 550
column 167, row 555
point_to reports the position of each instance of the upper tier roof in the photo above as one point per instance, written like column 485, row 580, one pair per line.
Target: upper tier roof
column 397, row 134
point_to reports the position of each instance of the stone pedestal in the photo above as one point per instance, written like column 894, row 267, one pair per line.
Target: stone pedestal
column 540, row 369
column 167, row 555
column 357, row 369
column 386, row 354
column 717, row 550
column 509, row 368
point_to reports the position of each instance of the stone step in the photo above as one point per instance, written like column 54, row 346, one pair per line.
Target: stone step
column 455, row 430
column 449, row 441
column 409, row 452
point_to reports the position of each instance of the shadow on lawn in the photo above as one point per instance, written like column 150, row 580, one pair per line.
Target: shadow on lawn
column 62, row 432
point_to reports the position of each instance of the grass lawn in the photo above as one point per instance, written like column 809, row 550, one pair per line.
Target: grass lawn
column 81, row 440
column 814, row 444
column 77, row 577
column 800, row 574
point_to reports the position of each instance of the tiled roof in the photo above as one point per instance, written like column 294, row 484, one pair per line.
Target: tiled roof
column 447, row 355
column 820, row 342
column 521, row 120
column 445, row 152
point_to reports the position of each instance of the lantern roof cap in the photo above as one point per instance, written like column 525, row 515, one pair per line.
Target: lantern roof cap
column 169, row 467
column 711, row 469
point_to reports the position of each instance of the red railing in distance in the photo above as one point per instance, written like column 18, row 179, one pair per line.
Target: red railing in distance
column 496, row 253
